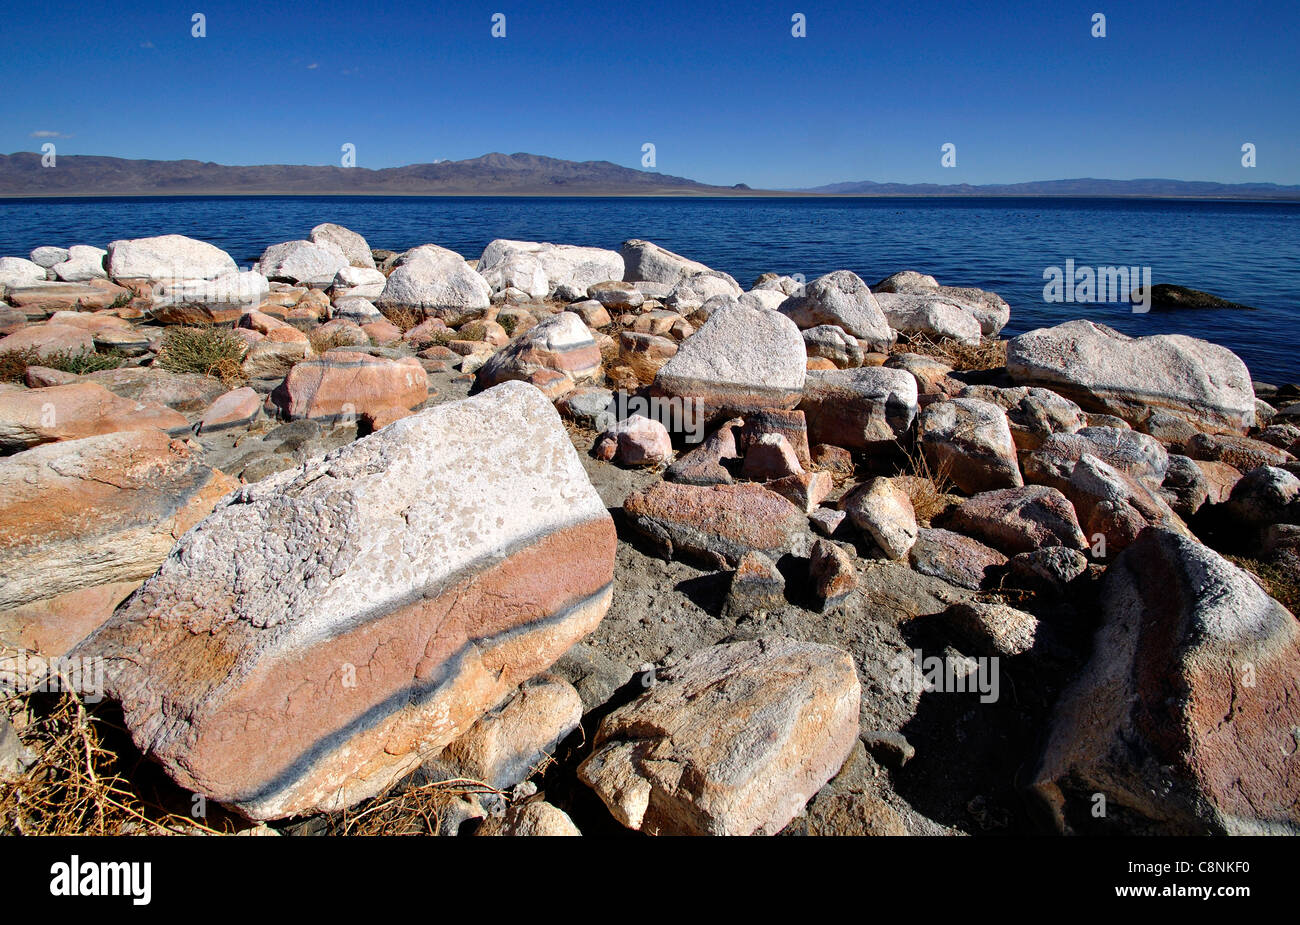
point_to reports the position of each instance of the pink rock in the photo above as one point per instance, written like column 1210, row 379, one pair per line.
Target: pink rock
column 234, row 409
column 342, row 384
column 641, row 441
column 80, row 409
column 49, row 339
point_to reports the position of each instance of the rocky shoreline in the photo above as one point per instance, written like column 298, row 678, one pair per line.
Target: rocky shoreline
column 568, row 540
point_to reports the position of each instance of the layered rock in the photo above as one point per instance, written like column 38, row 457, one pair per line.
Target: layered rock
column 732, row 740
column 79, row 409
column 85, row 514
column 716, row 524
column 859, row 408
column 1184, row 720
column 560, row 343
column 325, row 629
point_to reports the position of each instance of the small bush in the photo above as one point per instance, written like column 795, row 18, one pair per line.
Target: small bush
column 926, row 486
column 322, row 341
column 508, row 323
column 402, row 318
column 211, row 351
column 14, row 363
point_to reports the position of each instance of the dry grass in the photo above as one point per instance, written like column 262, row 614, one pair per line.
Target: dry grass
column 321, row 341
column 402, row 318
column 79, row 785
column 417, row 810
column 987, row 354
column 213, row 351
column 927, row 487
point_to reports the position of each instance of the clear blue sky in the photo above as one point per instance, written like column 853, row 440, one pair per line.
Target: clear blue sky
column 723, row 90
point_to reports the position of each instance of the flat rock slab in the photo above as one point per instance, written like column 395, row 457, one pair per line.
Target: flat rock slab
column 80, row 409
column 345, row 386
column 327, row 628
column 733, row 740
column 859, row 409
column 716, row 524
column 1186, row 716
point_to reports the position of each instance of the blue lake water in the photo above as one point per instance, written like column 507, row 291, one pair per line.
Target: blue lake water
column 1245, row 252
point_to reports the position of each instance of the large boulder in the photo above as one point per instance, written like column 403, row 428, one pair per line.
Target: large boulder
column 1135, row 454
column 200, row 301
column 16, row 272
column 560, row 343
column 842, row 299
column 343, row 385
column 1185, row 719
column 1114, row 505
column 353, row 245
column 643, row 260
column 329, row 627
column 928, row 314
column 1016, row 520
column 305, row 263
column 169, row 256
column 543, row 268
column 88, row 513
column 437, row 282
column 79, row 409
column 970, row 441
column 740, row 360
column 859, row 408
column 1108, row 372
column 732, row 740
column 84, row 263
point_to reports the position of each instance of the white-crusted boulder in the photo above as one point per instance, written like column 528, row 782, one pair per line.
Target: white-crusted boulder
column 1185, row 718
column 842, row 299
column 1107, row 372
column 168, row 256
column 327, row 628
column 439, row 283
column 353, row 245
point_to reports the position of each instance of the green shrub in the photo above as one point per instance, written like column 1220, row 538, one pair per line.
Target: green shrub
column 211, row 351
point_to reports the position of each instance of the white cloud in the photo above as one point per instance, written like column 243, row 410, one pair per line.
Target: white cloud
column 48, row 134
column 312, row 66
column 146, row 44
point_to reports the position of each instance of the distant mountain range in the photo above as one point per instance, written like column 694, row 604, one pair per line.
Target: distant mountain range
column 21, row 175
column 1086, row 186
column 490, row 175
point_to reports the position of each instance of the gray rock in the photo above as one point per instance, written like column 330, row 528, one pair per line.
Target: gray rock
column 1110, row 373
column 353, row 245
column 842, row 299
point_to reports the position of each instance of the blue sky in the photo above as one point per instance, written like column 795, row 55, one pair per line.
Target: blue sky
column 723, row 90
